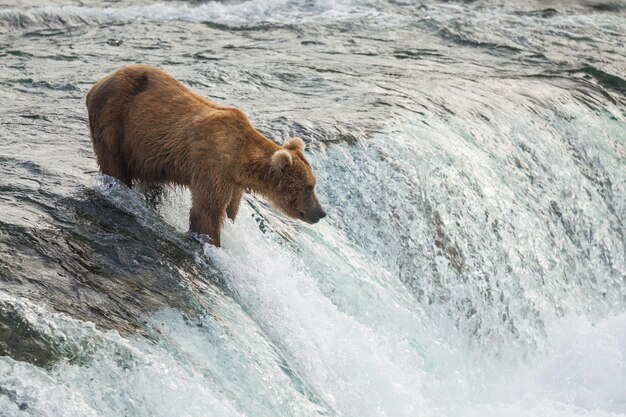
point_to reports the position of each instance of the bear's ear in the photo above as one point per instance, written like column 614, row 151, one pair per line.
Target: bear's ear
column 280, row 159
column 295, row 143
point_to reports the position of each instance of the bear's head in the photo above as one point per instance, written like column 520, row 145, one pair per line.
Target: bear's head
column 294, row 183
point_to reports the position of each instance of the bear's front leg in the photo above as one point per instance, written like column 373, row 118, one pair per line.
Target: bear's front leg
column 207, row 221
column 235, row 202
column 208, row 211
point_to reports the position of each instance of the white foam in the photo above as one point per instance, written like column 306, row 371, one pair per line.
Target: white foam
column 582, row 370
column 586, row 365
column 247, row 12
column 351, row 366
column 190, row 371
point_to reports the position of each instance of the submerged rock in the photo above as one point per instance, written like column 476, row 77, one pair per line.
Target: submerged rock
column 105, row 265
column 20, row 340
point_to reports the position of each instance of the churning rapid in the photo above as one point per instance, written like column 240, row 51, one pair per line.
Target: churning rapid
column 472, row 160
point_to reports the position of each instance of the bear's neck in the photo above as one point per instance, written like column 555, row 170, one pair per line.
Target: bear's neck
column 255, row 166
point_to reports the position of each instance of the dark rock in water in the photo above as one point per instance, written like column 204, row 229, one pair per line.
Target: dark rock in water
column 114, row 42
column 545, row 13
column 549, row 12
column 19, row 340
column 103, row 266
column 600, row 6
column 13, row 397
column 311, row 43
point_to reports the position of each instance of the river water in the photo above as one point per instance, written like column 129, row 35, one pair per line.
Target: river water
column 471, row 157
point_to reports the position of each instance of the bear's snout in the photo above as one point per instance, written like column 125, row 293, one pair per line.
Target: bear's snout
column 314, row 216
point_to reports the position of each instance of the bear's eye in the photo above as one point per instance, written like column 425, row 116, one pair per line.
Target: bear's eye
column 309, row 190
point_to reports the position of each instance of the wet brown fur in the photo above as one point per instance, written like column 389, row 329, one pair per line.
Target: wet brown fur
column 146, row 125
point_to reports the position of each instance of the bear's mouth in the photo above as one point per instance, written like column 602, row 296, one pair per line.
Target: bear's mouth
column 305, row 219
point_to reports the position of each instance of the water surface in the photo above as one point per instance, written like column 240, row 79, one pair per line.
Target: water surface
column 472, row 161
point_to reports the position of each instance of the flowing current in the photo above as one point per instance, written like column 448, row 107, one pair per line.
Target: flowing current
column 471, row 157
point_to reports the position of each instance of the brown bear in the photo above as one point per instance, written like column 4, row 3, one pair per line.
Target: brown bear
column 148, row 126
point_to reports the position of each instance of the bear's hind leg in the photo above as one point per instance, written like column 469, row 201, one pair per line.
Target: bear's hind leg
column 106, row 145
column 118, row 171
